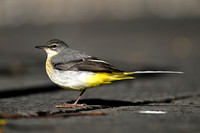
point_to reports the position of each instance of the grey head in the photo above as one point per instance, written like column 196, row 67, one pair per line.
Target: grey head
column 53, row 46
column 61, row 53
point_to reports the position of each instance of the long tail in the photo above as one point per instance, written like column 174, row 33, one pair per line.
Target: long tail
column 161, row 72
column 128, row 75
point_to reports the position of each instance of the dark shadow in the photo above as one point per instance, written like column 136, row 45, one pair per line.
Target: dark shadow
column 28, row 91
column 111, row 103
column 118, row 103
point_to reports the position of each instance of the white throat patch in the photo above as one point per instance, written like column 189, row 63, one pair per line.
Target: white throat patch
column 50, row 52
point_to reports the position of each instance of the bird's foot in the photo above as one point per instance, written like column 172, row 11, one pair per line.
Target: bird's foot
column 70, row 105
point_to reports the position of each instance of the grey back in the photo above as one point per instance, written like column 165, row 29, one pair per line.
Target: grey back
column 67, row 55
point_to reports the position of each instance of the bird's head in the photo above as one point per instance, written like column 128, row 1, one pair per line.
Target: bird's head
column 53, row 47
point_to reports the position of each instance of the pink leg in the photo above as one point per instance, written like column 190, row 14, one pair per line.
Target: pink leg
column 74, row 104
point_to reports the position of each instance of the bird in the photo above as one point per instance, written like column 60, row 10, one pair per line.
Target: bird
column 75, row 70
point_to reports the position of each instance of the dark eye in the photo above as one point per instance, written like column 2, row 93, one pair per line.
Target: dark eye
column 53, row 46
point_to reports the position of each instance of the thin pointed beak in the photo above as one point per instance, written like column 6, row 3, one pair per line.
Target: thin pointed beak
column 40, row 47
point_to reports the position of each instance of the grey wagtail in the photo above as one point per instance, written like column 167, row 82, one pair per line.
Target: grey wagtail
column 75, row 70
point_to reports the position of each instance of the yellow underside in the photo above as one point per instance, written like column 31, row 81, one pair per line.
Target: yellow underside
column 98, row 79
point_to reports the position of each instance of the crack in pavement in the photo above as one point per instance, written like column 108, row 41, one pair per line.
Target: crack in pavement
column 15, row 116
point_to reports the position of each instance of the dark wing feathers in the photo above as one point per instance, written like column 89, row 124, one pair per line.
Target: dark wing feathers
column 86, row 64
column 70, row 59
column 65, row 66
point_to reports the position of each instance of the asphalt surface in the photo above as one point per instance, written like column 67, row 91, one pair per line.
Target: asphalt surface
column 149, row 103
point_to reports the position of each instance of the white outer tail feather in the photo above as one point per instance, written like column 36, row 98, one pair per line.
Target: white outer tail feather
column 164, row 72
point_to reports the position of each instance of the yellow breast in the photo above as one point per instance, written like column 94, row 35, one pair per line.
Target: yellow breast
column 48, row 66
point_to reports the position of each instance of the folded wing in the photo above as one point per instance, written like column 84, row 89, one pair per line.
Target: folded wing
column 86, row 64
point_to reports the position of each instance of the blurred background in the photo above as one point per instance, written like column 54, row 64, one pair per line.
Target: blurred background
column 131, row 34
